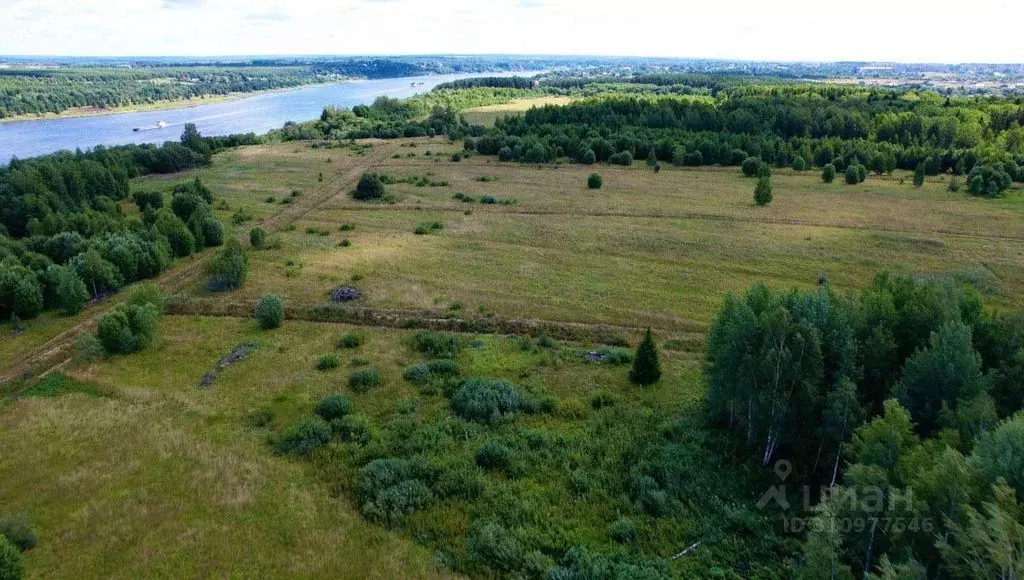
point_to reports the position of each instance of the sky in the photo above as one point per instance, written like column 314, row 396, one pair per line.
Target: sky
column 886, row 30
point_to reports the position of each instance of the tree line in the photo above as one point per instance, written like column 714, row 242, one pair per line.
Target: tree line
column 907, row 389
column 35, row 92
column 66, row 237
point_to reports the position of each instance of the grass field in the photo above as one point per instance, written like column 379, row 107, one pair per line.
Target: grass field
column 488, row 114
column 646, row 249
column 149, row 474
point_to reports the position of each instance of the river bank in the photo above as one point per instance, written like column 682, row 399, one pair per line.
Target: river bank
column 169, row 105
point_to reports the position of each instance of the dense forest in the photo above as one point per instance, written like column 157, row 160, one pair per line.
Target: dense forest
column 66, row 237
column 782, row 125
column 899, row 407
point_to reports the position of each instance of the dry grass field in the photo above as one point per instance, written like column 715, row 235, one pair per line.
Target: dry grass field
column 646, row 249
column 487, row 115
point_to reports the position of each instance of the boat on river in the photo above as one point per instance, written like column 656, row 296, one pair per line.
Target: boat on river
column 159, row 125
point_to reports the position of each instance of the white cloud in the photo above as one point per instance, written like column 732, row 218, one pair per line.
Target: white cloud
column 905, row 30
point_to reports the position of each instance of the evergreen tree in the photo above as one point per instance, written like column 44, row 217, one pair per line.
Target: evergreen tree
column 646, row 367
column 828, row 173
column 763, row 191
column 370, row 187
column 919, row 175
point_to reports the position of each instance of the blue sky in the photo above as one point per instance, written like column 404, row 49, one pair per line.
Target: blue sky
column 898, row 30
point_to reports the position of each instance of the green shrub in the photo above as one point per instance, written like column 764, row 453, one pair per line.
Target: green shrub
column 616, row 355
column 644, row 490
column 144, row 294
column 354, row 428
column 326, row 362
column 350, row 340
column 241, row 216
column 799, row 164
column 257, row 237
column 370, row 187
column 437, row 344
column 259, row 418
column 127, row 328
column 852, row 177
column 602, row 399
column 12, row 566
column 304, row 437
column 427, row 228
column 595, row 181
column 347, row 227
column 623, row 531
column 579, row 483
column 18, row 531
column 229, row 268
column 333, row 407
column 494, row 455
column 491, row 545
column 88, row 348
column 391, row 488
column 270, row 311
column 461, row 482
column 828, row 173
column 363, row 380
column 485, row 401
column 423, row 372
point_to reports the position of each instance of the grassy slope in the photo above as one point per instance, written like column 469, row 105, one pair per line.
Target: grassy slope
column 157, row 477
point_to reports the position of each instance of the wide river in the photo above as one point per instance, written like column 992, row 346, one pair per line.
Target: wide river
column 258, row 113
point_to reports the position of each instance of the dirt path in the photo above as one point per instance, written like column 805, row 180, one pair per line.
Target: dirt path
column 326, row 313
column 57, row 351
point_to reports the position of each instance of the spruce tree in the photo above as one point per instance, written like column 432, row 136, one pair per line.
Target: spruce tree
column 763, row 191
column 919, row 175
column 646, row 368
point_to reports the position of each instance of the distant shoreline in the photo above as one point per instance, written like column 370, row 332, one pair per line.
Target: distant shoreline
column 81, row 112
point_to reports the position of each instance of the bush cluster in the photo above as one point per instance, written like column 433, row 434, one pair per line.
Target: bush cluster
column 439, row 345
column 488, row 401
column 363, row 380
column 304, row 437
column 270, row 311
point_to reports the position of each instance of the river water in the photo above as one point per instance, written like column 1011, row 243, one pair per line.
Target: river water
column 258, row 113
